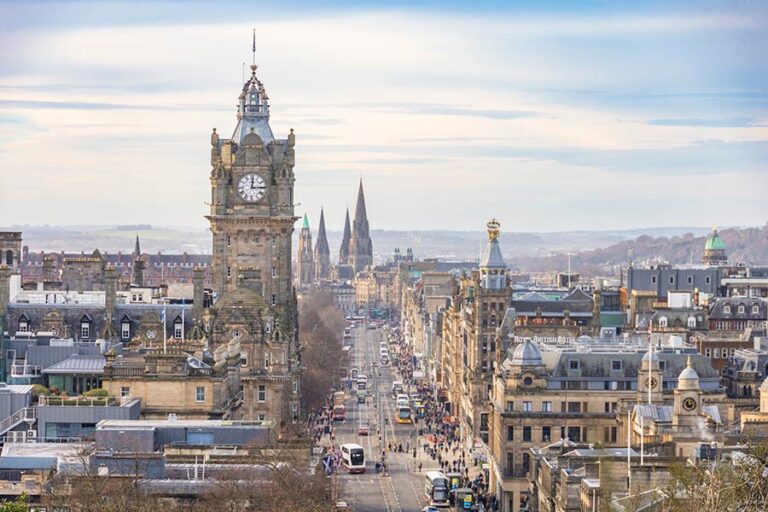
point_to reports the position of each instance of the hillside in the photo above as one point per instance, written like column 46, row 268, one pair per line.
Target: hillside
column 748, row 245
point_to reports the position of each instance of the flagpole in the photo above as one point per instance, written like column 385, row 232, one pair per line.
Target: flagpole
column 165, row 333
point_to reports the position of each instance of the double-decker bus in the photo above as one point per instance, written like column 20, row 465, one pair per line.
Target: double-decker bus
column 353, row 458
column 404, row 415
column 339, row 413
column 436, row 489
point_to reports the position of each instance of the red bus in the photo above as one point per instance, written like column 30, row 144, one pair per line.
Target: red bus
column 339, row 413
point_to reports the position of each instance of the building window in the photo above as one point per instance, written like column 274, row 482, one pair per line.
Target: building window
column 178, row 330
column 653, row 279
column 85, row 330
column 23, row 326
column 546, row 406
column 262, row 397
column 274, row 299
column 274, row 242
column 716, row 353
column 707, row 280
column 741, row 309
column 229, row 272
column 573, row 364
column 229, row 241
column 708, row 353
column 616, row 365
column 200, row 394
column 662, row 365
column 526, row 434
column 274, row 272
column 266, row 360
column 125, row 330
column 755, row 309
column 125, row 391
column 691, row 322
column 727, row 309
column 510, row 406
column 546, row 434
column 262, row 417
column 510, row 433
column 527, row 406
column 690, row 279
column 295, row 386
column 671, row 279
column 662, row 321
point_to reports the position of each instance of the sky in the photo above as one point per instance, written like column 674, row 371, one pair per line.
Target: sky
column 548, row 116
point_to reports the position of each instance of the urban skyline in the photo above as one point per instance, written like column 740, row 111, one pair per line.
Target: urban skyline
column 555, row 106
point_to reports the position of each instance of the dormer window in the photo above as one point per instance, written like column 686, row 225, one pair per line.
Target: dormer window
column 178, row 328
column 125, row 330
column 741, row 309
column 573, row 364
column 691, row 322
column 755, row 309
column 85, row 330
column 727, row 309
column 23, row 324
column 662, row 321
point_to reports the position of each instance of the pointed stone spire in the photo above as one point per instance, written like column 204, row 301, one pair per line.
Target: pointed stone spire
column 361, row 216
column 322, row 252
column 305, row 271
column 345, row 239
column 360, row 246
column 137, row 247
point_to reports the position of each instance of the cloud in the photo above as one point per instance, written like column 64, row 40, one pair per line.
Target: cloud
column 445, row 110
column 729, row 122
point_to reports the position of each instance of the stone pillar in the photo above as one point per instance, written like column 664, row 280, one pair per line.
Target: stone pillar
column 5, row 288
column 110, row 289
column 198, row 274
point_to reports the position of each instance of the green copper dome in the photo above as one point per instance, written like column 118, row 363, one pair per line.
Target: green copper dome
column 714, row 242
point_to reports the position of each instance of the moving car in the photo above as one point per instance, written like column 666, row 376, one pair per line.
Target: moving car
column 362, row 430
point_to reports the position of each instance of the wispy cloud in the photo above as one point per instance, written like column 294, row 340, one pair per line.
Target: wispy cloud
column 728, row 122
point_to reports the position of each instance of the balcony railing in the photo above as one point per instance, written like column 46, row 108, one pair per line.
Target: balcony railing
column 28, row 414
column 26, row 370
column 54, row 401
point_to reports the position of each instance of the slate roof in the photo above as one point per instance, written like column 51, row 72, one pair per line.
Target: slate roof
column 77, row 365
column 492, row 257
column 717, row 309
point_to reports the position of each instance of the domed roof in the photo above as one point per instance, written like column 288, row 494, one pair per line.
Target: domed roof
column 651, row 355
column 527, row 354
column 688, row 378
column 714, row 242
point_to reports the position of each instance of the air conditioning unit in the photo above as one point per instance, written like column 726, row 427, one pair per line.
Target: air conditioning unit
column 31, row 434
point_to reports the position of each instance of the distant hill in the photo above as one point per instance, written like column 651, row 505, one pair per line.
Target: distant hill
column 749, row 245
column 593, row 252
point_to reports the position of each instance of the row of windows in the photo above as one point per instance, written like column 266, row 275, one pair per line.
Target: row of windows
column 229, row 241
column 574, row 407
column 741, row 309
column 689, row 280
column 719, row 353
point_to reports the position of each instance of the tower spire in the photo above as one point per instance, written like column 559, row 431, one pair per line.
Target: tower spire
column 253, row 49
column 345, row 239
column 137, row 247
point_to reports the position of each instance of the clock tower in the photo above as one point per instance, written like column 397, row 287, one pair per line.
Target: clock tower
column 687, row 406
column 650, row 379
column 252, row 213
column 253, row 320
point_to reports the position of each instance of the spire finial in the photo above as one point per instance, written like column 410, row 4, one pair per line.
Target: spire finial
column 253, row 48
column 690, row 362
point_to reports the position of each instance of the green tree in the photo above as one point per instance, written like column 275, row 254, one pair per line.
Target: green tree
column 17, row 505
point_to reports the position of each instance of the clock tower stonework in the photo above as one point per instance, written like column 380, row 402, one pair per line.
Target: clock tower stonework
column 252, row 213
column 254, row 316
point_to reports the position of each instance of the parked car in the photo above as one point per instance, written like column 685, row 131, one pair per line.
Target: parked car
column 362, row 430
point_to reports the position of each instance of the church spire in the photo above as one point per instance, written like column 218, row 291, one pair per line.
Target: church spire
column 360, row 246
column 322, row 252
column 137, row 247
column 344, row 250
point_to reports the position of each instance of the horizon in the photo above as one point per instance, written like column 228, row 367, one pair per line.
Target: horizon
column 545, row 117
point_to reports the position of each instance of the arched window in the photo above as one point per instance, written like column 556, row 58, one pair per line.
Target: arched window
column 691, row 322
column 755, row 309
column 9, row 257
column 727, row 309
column 662, row 321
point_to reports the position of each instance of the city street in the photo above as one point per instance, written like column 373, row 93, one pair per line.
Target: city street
column 403, row 490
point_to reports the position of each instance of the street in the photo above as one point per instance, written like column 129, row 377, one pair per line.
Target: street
column 403, row 490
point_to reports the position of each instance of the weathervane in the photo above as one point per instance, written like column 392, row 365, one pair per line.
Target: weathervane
column 494, row 229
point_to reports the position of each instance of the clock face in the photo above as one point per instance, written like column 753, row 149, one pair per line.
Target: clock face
column 650, row 383
column 251, row 187
column 689, row 404
column 151, row 334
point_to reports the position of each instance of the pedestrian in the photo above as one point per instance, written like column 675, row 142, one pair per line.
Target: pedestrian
column 420, row 467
